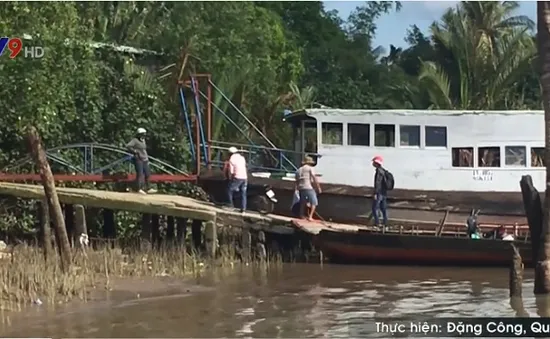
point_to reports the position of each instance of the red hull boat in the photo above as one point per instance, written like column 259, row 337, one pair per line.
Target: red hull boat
column 363, row 247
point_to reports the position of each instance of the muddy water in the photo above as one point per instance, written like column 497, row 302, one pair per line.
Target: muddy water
column 290, row 301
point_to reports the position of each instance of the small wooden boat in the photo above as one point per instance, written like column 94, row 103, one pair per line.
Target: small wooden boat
column 362, row 247
column 418, row 245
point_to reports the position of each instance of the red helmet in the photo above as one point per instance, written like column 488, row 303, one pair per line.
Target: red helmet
column 378, row 159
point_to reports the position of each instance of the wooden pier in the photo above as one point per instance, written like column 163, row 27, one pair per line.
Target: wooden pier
column 207, row 220
column 156, row 204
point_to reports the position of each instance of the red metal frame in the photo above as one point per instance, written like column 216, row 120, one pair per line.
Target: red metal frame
column 98, row 177
column 207, row 121
column 154, row 177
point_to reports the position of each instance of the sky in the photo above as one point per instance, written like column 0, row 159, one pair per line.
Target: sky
column 392, row 27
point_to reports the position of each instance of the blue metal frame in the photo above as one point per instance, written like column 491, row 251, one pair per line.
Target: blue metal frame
column 199, row 118
column 88, row 159
column 284, row 164
column 249, row 122
column 185, row 116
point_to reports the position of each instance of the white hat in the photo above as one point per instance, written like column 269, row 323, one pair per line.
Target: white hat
column 141, row 130
column 233, row 150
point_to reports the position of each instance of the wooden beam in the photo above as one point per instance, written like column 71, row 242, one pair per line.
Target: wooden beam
column 153, row 204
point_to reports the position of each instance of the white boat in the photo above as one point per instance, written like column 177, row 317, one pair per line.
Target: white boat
column 475, row 151
column 441, row 161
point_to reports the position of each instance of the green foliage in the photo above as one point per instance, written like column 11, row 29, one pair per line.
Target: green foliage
column 264, row 56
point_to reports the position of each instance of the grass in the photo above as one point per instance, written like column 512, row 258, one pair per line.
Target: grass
column 27, row 276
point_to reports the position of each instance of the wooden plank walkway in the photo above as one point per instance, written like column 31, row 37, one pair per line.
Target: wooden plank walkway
column 162, row 204
column 179, row 206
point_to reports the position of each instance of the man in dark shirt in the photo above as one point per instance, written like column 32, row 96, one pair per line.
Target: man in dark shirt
column 380, row 192
column 141, row 161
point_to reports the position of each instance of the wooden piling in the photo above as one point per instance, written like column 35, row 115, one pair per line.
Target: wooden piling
column 155, row 230
column 54, row 206
column 109, row 225
column 181, row 226
column 80, row 224
column 45, row 229
column 542, row 269
column 246, row 244
column 211, row 238
column 196, row 234
column 146, row 231
column 261, row 251
column 533, row 211
column 516, row 274
column 69, row 222
column 170, row 229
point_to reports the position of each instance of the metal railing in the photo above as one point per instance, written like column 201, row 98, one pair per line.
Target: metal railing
column 260, row 158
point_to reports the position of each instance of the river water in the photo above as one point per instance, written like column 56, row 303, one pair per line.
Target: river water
column 293, row 300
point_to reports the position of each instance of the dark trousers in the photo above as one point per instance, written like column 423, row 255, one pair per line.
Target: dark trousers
column 143, row 172
column 237, row 185
column 380, row 204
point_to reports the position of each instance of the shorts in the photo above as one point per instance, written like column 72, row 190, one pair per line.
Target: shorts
column 310, row 196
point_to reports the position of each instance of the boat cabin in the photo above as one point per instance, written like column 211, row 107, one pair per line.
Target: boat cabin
column 425, row 149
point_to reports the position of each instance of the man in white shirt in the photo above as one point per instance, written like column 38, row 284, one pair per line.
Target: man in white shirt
column 238, row 180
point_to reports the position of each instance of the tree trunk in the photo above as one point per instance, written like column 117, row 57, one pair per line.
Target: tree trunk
column 51, row 195
column 542, row 270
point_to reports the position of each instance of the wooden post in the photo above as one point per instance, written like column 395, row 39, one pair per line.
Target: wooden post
column 542, row 269
column 211, row 238
column 109, row 226
column 155, row 230
column 46, row 229
column 51, row 194
column 170, row 229
column 69, row 222
column 181, row 225
column 246, row 244
column 516, row 274
column 196, row 234
column 533, row 211
column 80, row 224
column 145, row 232
column 542, row 301
column 442, row 224
column 260, row 246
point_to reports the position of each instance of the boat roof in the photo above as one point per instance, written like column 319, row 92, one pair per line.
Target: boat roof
column 315, row 112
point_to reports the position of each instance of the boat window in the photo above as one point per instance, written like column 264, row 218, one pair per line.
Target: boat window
column 515, row 156
column 384, row 135
column 332, row 133
column 359, row 134
column 410, row 135
column 537, row 157
column 436, row 136
column 463, row 156
column 488, row 157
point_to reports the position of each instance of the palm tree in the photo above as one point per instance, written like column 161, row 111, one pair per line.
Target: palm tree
column 486, row 52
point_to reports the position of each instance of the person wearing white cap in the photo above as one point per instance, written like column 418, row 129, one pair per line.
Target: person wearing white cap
column 238, row 177
column 141, row 161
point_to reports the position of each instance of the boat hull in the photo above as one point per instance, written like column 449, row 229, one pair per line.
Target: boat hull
column 377, row 248
column 350, row 204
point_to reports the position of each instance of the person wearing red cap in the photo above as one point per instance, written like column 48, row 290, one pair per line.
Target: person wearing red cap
column 380, row 191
